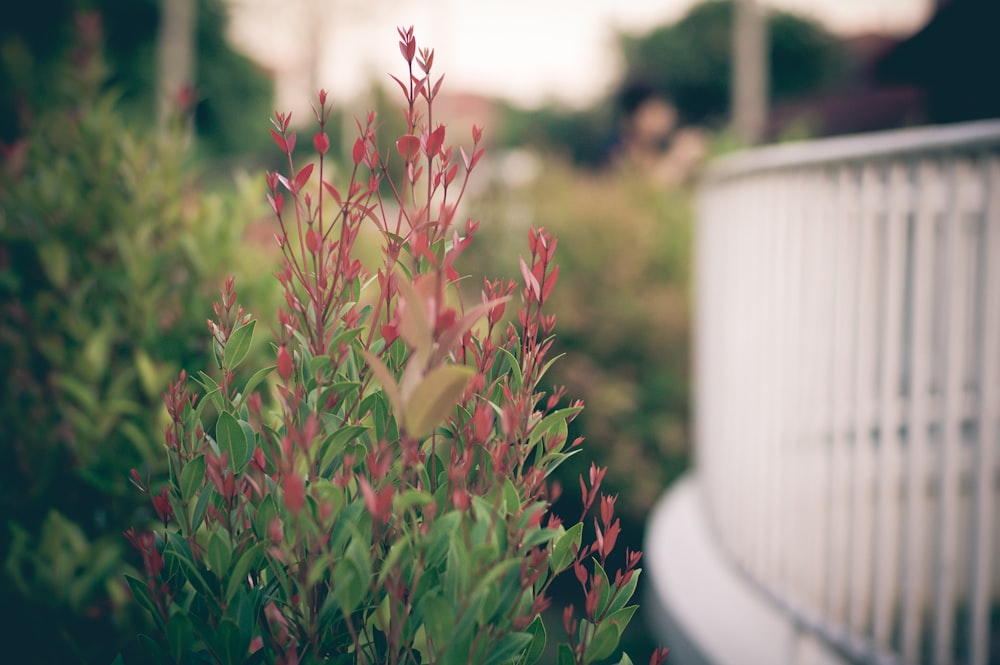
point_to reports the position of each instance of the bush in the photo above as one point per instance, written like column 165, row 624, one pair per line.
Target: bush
column 106, row 244
column 624, row 313
column 388, row 502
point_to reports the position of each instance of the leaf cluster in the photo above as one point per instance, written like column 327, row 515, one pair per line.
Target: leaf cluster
column 380, row 492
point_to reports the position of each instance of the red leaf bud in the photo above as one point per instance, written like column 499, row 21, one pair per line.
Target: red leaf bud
column 321, row 142
column 295, row 492
column 460, row 499
column 284, row 363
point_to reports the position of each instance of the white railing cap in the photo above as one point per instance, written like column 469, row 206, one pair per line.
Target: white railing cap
column 964, row 137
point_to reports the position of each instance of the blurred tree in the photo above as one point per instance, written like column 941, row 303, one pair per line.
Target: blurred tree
column 110, row 253
column 581, row 136
column 690, row 61
column 232, row 97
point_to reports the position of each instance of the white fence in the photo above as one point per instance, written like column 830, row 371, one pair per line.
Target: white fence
column 848, row 386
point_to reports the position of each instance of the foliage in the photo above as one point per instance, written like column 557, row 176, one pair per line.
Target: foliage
column 391, row 504
column 582, row 136
column 624, row 315
column 690, row 61
column 105, row 243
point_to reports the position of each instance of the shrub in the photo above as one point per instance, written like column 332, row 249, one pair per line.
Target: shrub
column 624, row 314
column 105, row 245
column 391, row 503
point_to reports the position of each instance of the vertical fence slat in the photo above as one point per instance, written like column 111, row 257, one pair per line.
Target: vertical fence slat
column 989, row 435
column 843, row 352
column 862, row 463
column 955, row 318
column 887, row 550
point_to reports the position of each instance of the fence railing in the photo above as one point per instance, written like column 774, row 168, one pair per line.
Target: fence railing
column 848, row 386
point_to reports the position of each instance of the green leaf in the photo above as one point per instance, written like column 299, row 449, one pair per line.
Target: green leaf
column 249, row 560
column 389, row 386
column 439, row 619
column 178, row 550
column 625, row 660
column 192, row 477
column 603, row 644
column 511, row 497
column 555, row 420
column 212, row 392
column 566, row 655
column 435, row 397
column 266, row 512
column 622, row 617
column 625, row 594
column 153, row 651
column 256, row 378
column 232, row 439
column 233, row 645
column 180, row 636
column 538, row 638
column 332, row 447
column 514, row 367
column 219, row 553
column 401, row 549
column 149, row 376
column 601, row 579
column 238, row 345
column 507, row 648
column 562, row 551
column 141, row 594
column 55, row 260
column 201, row 507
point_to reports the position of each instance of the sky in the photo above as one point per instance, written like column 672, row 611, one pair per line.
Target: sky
column 526, row 51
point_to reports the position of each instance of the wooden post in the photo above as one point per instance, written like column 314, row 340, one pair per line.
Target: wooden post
column 750, row 82
column 175, row 58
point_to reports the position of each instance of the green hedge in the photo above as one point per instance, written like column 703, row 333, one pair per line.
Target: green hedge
column 110, row 257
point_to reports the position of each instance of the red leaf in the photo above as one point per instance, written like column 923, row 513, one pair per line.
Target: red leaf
column 402, row 86
column 460, row 499
column 290, row 141
column 550, row 283
column 408, row 146
column 437, row 87
column 295, row 492
column 284, row 363
column 435, row 141
column 530, row 282
column 333, row 192
column 302, row 177
column 277, row 202
column 358, row 153
column 450, row 175
column 280, row 140
column 477, row 157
